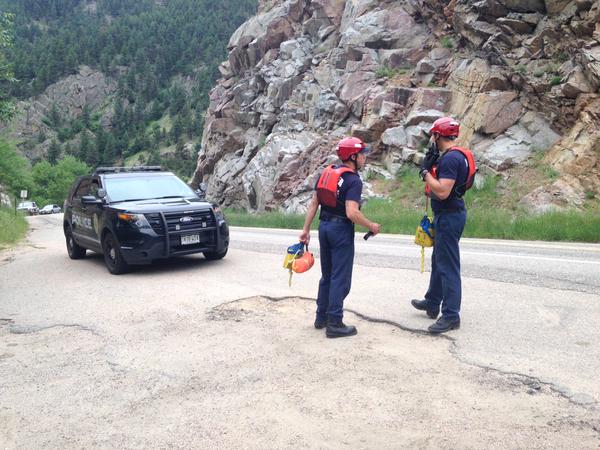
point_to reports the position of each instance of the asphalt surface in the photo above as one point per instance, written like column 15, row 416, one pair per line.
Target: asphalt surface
column 531, row 308
column 565, row 266
column 89, row 359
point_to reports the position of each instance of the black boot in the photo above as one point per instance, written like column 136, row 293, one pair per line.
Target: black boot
column 320, row 323
column 443, row 325
column 335, row 330
column 424, row 305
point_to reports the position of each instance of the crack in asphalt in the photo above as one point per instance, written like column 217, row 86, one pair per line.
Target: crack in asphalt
column 6, row 261
column 529, row 381
column 32, row 330
column 114, row 366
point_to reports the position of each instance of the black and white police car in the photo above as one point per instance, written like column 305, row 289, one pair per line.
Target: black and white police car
column 139, row 214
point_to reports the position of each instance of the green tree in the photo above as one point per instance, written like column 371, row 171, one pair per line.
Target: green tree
column 154, row 158
column 85, row 116
column 71, row 61
column 52, row 183
column 178, row 129
column 84, row 146
column 14, row 169
column 109, row 150
column 54, row 119
column 53, row 152
column 7, row 108
column 177, row 101
column 41, row 137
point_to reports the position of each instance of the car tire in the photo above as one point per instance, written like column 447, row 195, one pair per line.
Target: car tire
column 112, row 255
column 75, row 251
column 213, row 256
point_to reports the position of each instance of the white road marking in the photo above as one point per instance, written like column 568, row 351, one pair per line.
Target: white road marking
column 258, row 235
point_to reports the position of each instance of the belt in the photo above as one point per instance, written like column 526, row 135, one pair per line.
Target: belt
column 448, row 210
column 332, row 218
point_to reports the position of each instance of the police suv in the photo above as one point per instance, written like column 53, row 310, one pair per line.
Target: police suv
column 139, row 214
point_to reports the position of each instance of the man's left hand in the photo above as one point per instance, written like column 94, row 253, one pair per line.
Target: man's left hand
column 429, row 161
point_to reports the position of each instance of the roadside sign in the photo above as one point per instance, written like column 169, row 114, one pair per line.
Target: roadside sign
column 24, row 193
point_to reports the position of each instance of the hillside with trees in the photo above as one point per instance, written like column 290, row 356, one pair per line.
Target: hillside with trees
column 158, row 59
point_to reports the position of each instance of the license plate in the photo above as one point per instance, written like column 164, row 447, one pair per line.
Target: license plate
column 190, row 239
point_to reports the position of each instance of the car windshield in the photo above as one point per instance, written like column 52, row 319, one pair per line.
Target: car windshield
column 26, row 205
column 121, row 189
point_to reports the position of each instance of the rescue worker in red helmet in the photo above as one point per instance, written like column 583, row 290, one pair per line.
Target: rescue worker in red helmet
column 338, row 193
column 445, row 171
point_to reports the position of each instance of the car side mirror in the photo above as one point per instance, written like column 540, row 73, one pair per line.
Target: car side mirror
column 201, row 191
column 90, row 200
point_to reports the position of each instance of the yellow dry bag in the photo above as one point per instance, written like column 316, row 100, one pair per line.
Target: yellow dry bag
column 425, row 237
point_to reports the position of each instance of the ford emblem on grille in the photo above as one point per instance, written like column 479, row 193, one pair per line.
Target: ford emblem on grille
column 186, row 219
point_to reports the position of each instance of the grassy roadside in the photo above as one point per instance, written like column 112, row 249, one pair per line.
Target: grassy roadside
column 493, row 212
column 487, row 223
column 12, row 228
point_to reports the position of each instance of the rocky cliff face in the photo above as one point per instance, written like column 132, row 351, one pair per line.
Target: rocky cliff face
column 87, row 88
column 521, row 76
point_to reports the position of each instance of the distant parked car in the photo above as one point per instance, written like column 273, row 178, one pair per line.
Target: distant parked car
column 30, row 208
column 50, row 209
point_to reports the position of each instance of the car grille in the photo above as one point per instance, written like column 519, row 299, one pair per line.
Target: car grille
column 192, row 221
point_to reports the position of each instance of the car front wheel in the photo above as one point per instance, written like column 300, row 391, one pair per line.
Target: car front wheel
column 75, row 251
column 112, row 255
column 215, row 255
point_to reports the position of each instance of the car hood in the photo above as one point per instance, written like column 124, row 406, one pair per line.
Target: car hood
column 162, row 205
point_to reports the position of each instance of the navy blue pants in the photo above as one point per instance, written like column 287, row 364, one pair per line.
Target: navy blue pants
column 445, row 284
column 336, row 240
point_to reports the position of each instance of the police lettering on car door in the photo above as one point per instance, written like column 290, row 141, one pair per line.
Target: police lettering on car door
column 81, row 221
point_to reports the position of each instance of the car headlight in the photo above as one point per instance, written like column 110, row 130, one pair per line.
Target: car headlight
column 138, row 220
column 218, row 213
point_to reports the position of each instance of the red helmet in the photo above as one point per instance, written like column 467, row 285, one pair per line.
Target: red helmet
column 350, row 146
column 446, row 127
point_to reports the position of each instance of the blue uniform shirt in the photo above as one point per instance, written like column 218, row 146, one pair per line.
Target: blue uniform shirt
column 453, row 166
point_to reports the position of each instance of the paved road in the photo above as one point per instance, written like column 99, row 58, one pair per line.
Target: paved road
column 530, row 322
column 531, row 308
column 566, row 266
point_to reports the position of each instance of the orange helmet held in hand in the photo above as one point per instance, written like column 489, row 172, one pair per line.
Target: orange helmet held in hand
column 304, row 263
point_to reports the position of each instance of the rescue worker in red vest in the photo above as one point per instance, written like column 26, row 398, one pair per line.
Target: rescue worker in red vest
column 336, row 233
column 445, row 173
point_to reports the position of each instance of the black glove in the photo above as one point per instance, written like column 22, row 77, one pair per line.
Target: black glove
column 429, row 161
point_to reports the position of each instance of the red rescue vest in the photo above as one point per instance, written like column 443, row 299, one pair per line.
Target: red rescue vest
column 327, row 187
column 462, row 188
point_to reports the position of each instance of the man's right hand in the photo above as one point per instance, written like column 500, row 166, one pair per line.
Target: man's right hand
column 305, row 237
column 374, row 228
